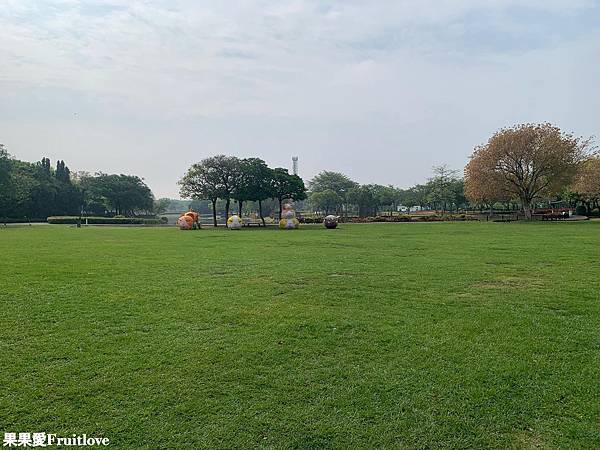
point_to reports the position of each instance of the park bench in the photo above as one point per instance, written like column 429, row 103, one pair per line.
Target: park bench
column 250, row 222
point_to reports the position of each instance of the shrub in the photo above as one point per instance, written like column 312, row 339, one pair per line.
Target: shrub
column 20, row 220
column 581, row 210
column 71, row 220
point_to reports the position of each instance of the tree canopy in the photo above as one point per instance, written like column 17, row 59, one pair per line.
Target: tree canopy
column 35, row 190
column 587, row 183
column 285, row 186
column 226, row 177
column 524, row 162
column 122, row 194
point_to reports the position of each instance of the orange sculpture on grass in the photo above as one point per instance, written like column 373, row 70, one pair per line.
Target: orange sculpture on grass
column 189, row 221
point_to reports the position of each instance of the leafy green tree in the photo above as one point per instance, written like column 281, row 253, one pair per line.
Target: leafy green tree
column 325, row 201
column 365, row 198
column 6, row 191
column 458, row 194
column 28, row 196
column 45, row 165
column 253, row 184
column 333, row 181
column 62, row 172
column 418, row 195
column 161, row 205
column 227, row 170
column 441, row 187
column 285, row 186
column 122, row 194
column 203, row 182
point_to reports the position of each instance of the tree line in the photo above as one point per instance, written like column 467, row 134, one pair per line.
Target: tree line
column 522, row 166
column 243, row 180
column 38, row 190
column 334, row 192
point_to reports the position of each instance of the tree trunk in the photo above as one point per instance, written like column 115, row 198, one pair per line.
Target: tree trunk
column 214, row 206
column 260, row 213
column 280, row 207
column 227, row 205
column 527, row 210
column 240, row 204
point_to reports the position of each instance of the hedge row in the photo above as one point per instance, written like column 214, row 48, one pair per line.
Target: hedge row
column 423, row 218
column 20, row 220
column 399, row 218
column 71, row 220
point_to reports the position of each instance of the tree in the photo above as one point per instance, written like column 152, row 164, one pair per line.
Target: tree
column 227, row 171
column 253, row 184
column 327, row 200
column 62, row 172
column 6, row 194
column 122, row 194
column 202, row 182
column 365, row 197
column 416, row 196
column 36, row 190
column 441, row 191
column 333, row 181
column 457, row 189
column 387, row 196
column 161, row 205
column 587, row 183
column 45, row 165
column 285, row 186
column 526, row 162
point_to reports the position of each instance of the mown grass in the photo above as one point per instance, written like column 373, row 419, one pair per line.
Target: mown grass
column 387, row 335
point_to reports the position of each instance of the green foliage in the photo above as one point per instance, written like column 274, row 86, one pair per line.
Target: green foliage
column 365, row 197
column 122, row 194
column 285, row 186
column 117, row 220
column 328, row 182
column 326, row 201
column 332, row 181
column 37, row 190
column 213, row 178
column 34, row 190
column 443, row 188
column 6, row 186
column 161, row 206
column 254, row 179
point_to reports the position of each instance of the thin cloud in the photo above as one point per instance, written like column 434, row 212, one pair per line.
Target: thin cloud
column 408, row 83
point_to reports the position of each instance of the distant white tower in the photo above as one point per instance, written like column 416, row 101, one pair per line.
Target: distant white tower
column 295, row 165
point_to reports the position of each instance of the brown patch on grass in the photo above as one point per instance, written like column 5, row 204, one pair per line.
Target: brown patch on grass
column 508, row 283
column 529, row 439
column 342, row 274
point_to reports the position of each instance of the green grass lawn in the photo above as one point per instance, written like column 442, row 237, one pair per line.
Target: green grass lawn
column 386, row 335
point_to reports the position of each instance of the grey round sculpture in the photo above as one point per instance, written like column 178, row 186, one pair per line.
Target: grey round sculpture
column 330, row 222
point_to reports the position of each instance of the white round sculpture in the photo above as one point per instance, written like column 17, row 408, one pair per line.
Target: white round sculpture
column 234, row 222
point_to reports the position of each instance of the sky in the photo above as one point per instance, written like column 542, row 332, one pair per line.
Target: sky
column 381, row 90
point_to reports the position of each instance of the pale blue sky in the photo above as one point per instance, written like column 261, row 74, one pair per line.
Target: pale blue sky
column 380, row 90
